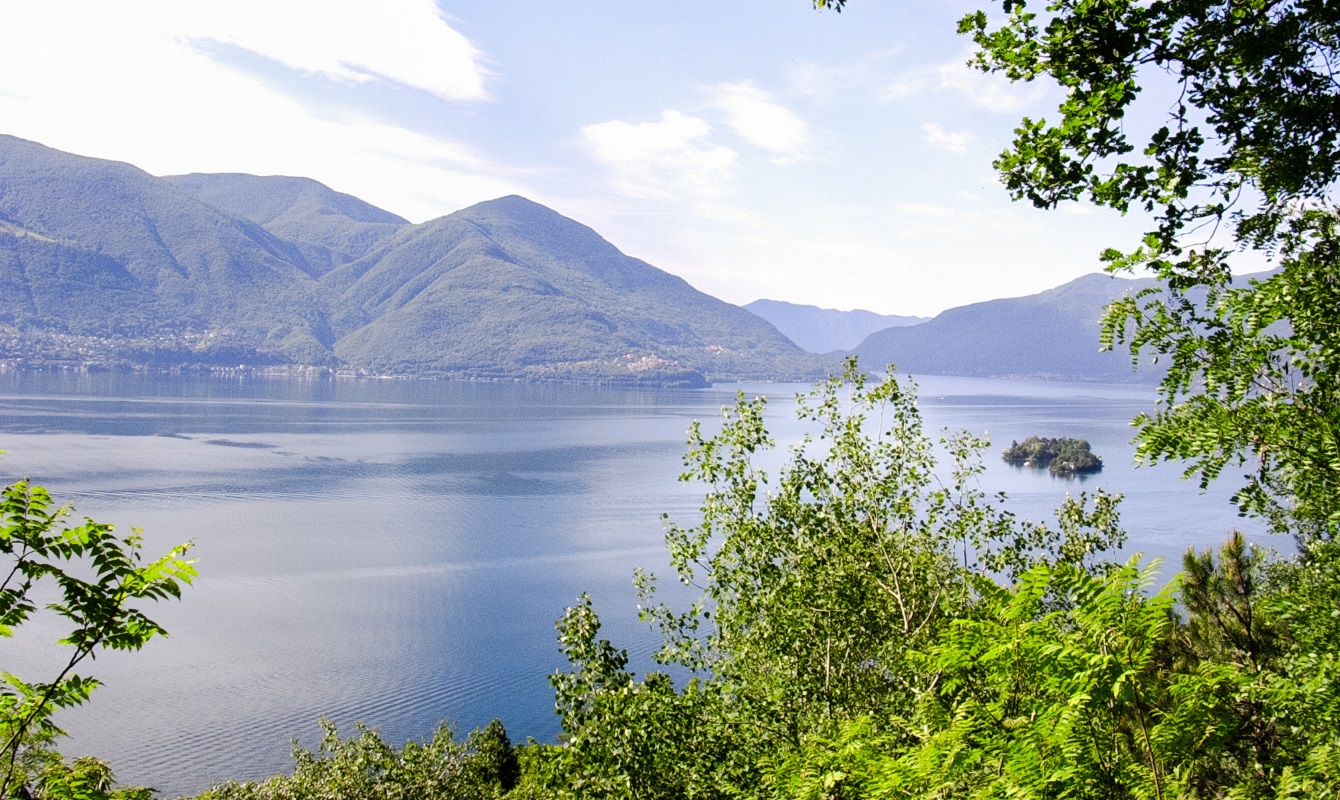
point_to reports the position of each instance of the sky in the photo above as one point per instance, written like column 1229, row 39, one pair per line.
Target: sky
column 756, row 148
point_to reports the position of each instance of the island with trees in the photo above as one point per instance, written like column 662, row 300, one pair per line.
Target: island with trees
column 1060, row 456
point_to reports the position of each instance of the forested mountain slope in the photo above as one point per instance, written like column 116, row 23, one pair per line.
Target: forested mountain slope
column 109, row 251
column 494, row 282
column 329, row 228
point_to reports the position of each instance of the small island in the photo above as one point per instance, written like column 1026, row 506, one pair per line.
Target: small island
column 1061, row 456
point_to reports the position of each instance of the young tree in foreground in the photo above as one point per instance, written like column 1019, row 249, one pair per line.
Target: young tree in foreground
column 821, row 585
column 97, row 576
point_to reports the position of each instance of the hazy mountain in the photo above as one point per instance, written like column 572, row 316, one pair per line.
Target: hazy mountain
column 824, row 330
column 1053, row 334
column 229, row 269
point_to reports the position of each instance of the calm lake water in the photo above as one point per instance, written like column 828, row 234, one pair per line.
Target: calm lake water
column 397, row 552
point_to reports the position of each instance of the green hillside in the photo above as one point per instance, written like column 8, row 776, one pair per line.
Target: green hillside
column 493, row 282
column 115, row 252
column 328, row 227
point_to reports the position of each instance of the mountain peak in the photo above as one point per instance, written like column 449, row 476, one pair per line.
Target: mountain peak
column 517, row 210
column 824, row 330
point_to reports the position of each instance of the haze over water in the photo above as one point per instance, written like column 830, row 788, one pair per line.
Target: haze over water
column 396, row 552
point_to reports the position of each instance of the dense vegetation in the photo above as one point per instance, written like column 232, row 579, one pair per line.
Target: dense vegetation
column 1061, row 456
column 870, row 625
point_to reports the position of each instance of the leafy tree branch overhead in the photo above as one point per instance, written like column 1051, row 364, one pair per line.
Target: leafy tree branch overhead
column 1247, row 159
column 1243, row 155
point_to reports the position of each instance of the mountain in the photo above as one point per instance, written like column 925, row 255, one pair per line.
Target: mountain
column 1052, row 334
column 495, row 283
column 103, row 249
column 824, row 330
column 103, row 263
column 329, row 228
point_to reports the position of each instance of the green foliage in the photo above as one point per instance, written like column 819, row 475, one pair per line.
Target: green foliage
column 1253, row 104
column 97, row 576
column 1251, row 147
column 849, row 642
column 1240, row 698
column 82, row 779
column 483, row 767
column 1219, row 597
column 1039, row 704
column 1099, row 699
column 820, row 585
column 624, row 737
column 814, row 589
column 493, row 760
column 1066, row 456
column 816, row 586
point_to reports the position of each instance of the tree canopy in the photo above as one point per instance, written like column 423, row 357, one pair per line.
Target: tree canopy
column 1244, row 156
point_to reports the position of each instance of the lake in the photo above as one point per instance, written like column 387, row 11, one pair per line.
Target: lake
column 396, row 552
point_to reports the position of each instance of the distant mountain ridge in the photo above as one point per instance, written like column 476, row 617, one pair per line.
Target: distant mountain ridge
column 1052, row 335
column 825, row 330
column 103, row 263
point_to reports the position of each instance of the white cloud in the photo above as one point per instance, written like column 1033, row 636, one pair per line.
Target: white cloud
column 813, row 81
column 989, row 92
column 404, row 41
column 758, row 119
column 661, row 159
column 953, row 141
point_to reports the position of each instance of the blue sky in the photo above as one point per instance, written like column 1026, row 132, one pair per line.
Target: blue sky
column 757, row 148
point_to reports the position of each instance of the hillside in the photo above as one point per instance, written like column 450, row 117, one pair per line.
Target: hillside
column 329, row 228
column 825, row 330
column 109, row 251
column 494, row 282
column 1052, row 334
column 104, row 264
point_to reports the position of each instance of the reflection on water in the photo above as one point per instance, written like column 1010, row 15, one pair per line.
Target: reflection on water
column 396, row 552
